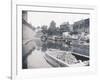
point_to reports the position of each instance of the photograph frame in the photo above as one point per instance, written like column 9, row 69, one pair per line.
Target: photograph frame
column 16, row 70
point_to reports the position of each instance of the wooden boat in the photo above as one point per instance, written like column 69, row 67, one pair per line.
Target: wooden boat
column 58, row 58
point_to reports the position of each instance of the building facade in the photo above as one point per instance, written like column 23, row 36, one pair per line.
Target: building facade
column 81, row 26
column 65, row 27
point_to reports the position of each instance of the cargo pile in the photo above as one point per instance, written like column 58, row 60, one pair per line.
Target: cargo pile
column 67, row 57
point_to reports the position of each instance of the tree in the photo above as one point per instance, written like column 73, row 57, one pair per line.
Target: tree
column 52, row 28
column 44, row 29
column 52, row 24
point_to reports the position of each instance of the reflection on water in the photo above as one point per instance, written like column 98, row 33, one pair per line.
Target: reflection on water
column 54, row 45
column 61, row 45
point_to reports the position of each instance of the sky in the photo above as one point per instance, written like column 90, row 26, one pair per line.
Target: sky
column 44, row 18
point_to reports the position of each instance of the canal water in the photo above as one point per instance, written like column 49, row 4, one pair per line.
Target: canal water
column 61, row 45
column 36, row 58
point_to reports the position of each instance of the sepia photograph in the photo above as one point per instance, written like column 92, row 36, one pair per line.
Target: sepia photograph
column 55, row 39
